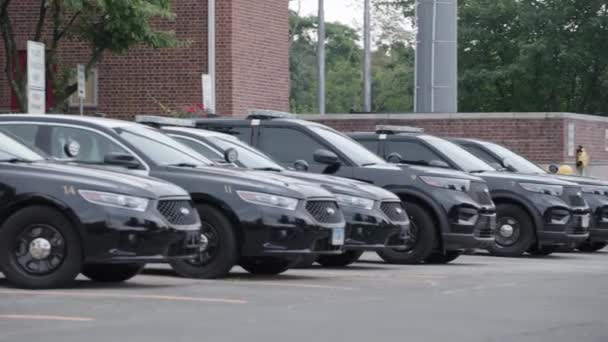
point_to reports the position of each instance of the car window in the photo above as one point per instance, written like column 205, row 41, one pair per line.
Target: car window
column 287, row 145
column 249, row 157
column 516, row 162
column 457, row 155
column 206, row 151
column 347, row 146
column 244, row 133
column 25, row 133
column 11, row 148
column 371, row 145
column 412, row 151
column 93, row 146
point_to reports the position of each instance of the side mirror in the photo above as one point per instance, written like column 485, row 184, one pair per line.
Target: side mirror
column 326, row 157
column 72, row 148
column 301, row 165
column 439, row 163
column 394, row 158
column 121, row 159
column 231, row 155
column 505, row 163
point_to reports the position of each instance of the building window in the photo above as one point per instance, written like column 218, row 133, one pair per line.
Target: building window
column 90, row 99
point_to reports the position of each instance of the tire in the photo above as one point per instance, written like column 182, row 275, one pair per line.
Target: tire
column 516, row 220
column 422, row 232
column 266, row 265
column 111, row 273
column 305, row 261
column 442, row 258
column 542, row 251
column 37, row 224
column 341, row 260
column 590, row 247
column 221, row 253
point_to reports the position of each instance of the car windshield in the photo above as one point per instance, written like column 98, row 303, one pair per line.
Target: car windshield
column 160, row 148
column 11, row 149
column 249, row 157
column 515, row 161
column 355, row 151
column 464, row 159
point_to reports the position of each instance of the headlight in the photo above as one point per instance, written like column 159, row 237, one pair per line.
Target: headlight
column 547, row 189
column 268, row 200
column 448, row 183
column 598, row 190
column 115, row 200
column 358, row 202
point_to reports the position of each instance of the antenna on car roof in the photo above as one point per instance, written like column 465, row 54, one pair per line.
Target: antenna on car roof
column 259, row 114
column 388, row 129
column 158, row 121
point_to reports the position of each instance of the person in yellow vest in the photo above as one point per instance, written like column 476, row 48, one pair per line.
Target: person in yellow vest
column 582, row 160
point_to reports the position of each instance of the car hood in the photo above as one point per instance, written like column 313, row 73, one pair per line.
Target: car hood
column 267, row 182
column 344, row 186
column 518, row 177
column 101, row 180
column 579, row 179
column 439, row 172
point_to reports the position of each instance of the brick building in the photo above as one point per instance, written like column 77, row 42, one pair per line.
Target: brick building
column 546, row 138
column 252, row 61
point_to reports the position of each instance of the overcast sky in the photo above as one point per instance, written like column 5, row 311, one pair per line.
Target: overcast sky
column 344, row 11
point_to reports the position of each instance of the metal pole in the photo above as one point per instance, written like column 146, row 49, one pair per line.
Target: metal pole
column 211, row 52
column 367, row 63
column 321, row 57
column 81, row 106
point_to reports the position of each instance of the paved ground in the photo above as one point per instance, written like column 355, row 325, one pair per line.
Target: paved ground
column 478, row 298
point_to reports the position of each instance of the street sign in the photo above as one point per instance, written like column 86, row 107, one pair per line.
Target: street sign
column 82, row 94
column 36, row 101
column 36, row 78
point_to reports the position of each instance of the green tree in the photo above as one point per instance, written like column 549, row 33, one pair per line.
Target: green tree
column 104, row 25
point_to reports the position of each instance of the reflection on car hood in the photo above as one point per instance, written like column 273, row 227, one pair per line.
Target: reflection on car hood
column 103, row 180
column 518, row 177
column 344, row 186
column 439, row 172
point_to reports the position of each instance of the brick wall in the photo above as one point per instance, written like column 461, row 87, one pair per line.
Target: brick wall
column 252, row 60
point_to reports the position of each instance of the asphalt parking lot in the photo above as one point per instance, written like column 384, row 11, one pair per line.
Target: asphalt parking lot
column 563, row 297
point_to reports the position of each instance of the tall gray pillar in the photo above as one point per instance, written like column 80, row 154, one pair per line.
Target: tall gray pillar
column 436, row 57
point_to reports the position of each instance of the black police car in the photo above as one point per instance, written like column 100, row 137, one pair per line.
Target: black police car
column 535, row 214
column 262, row 223
column 375, row 217
column 450, row 211
column 58, row 220
column 595, row 191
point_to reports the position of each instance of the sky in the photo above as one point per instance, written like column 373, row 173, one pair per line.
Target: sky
column 343, row 11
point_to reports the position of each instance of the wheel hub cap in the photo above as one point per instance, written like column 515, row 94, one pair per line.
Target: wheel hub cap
column 40, row 248
column 506, row 230
column 204, row 243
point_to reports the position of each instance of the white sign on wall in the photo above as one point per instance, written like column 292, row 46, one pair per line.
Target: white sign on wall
column 36, row 78
column 82, row 92
column 207, row 97
column 571, row 149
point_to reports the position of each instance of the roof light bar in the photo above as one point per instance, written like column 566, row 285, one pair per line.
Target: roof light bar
column 164, row 121
column 388, row 129
column 269, row 114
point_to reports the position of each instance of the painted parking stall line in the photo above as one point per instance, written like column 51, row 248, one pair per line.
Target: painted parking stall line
column 45, row 318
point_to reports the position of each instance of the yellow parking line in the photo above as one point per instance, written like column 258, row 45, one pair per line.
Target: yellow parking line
column 124, row 295
column 47, row 318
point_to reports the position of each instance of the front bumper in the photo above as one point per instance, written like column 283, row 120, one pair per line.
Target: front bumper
column 474, row 233
column 371, row 230
column 574, row 230
column 598, row 230
column 126, row 236
column 270, row 231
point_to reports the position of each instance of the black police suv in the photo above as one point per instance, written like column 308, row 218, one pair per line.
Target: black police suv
column 450, row 211
column 595, row 191
column 262, row 223
column 535, row 214
column 375, row 218
column 57, row 221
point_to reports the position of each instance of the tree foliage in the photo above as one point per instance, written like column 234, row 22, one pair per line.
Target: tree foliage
column 392, row 68
column 103, row 25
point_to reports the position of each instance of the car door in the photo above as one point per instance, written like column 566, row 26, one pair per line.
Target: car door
column 286, row 145
column 71, row 143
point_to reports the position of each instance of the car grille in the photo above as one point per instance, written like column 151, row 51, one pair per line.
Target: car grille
column 324, row 211
column 578, row 231
column 394, row 211
column 180, row 213
column 478, row 193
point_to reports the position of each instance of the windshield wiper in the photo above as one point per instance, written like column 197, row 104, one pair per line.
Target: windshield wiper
column 369, row 164
column 478, row 171
column 16, row 160
column 190, row 165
